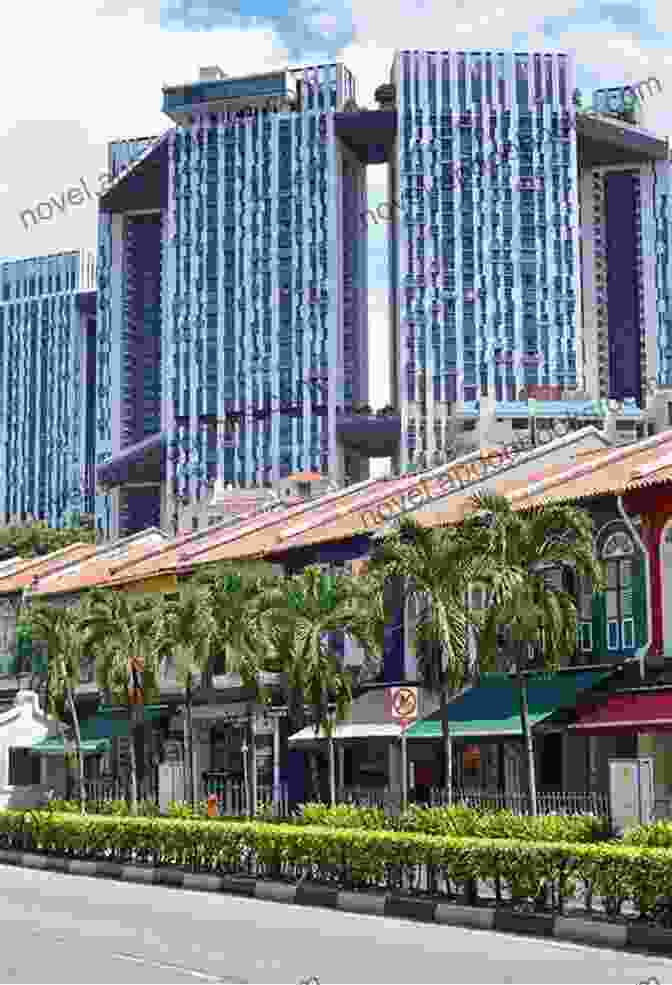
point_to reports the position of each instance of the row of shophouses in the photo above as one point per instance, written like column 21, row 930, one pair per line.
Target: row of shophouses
column 612, row 697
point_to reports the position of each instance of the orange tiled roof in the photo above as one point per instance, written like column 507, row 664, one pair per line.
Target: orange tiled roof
column 95, row 571
column 237, row 540
column 22, row 576
column 166, row 557
column 306, row 477
column 617, row 470
column 601, row 471
column 610, row 470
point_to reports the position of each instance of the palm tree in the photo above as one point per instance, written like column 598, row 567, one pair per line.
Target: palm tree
column 60, row 630
column 185, row 630
column 300, row 614
column 531, row 544
column 121, row 630
column 240, row 644
column 437, row 566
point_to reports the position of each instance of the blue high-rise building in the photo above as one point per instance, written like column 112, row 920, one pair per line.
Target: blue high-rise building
column 485, row 255
column 529, row 257
column 529, row 254
column 233, row 336
column 47, row 387
column 232, row 303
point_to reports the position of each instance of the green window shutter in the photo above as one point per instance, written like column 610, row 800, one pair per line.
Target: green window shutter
column 24, row 652
column 626, row 589
column 8, row 663
column 39, row 662
column 639, row 600
column 599, row 625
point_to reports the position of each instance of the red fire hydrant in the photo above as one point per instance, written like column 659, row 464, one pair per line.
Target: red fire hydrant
column 212, row 806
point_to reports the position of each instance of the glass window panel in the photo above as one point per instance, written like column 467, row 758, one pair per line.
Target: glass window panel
column 612, row 605
column 628, row 632
column 612, row 635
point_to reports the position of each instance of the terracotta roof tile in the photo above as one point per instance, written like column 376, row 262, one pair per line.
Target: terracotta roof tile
column 226, row 542
column 94, row 571
column 616, row 471
column 23, row 576
column 336, row 517
column 306, row 477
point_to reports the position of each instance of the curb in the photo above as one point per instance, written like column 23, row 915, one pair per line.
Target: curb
column 579, row 930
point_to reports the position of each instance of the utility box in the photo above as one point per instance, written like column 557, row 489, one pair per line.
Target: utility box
column 631, row 792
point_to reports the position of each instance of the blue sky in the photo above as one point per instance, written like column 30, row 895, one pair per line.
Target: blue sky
column 93, row 72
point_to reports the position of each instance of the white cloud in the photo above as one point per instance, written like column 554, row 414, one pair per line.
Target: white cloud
column 104, row 82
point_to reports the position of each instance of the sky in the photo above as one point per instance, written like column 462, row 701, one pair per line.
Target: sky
column 78, row 74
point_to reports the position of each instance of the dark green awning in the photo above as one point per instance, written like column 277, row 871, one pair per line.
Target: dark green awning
column 109, row 722
column 492, row 709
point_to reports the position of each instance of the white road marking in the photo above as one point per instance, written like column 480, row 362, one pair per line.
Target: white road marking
column 166, row 966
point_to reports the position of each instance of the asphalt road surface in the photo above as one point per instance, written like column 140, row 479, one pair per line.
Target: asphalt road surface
column 58, row 928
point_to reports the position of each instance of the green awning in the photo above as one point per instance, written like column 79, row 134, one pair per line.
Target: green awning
column 109, row 722
column 55, row 747
column 492, row 709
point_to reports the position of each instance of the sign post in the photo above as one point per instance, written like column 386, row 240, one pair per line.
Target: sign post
column 403, row 705
column 404, row 765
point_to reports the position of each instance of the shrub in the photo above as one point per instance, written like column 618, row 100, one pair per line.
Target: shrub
column 459, row 822
column 357, row 857
column 343, row 816
column 117, row 808
column 656, row 835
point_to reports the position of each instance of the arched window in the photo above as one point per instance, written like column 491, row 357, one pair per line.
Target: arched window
column 617, row 553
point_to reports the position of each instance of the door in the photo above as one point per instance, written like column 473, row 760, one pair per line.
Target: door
column 551, row 761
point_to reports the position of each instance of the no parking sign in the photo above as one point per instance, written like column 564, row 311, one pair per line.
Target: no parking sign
column 402, row 703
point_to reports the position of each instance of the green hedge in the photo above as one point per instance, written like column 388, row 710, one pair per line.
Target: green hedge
column 656, row 835
column 457, row 822
column 524, row 873
column 117, row 808
column 460, row 822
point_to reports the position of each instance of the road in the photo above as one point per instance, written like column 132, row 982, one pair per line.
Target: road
column 70, row 929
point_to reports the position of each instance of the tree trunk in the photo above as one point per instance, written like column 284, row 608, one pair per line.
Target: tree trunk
column 133, row 760
column 528, row 742
column 78, row 749
column 447, row 748
column 253, row 759
column 332, row 771
column 189, row 749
